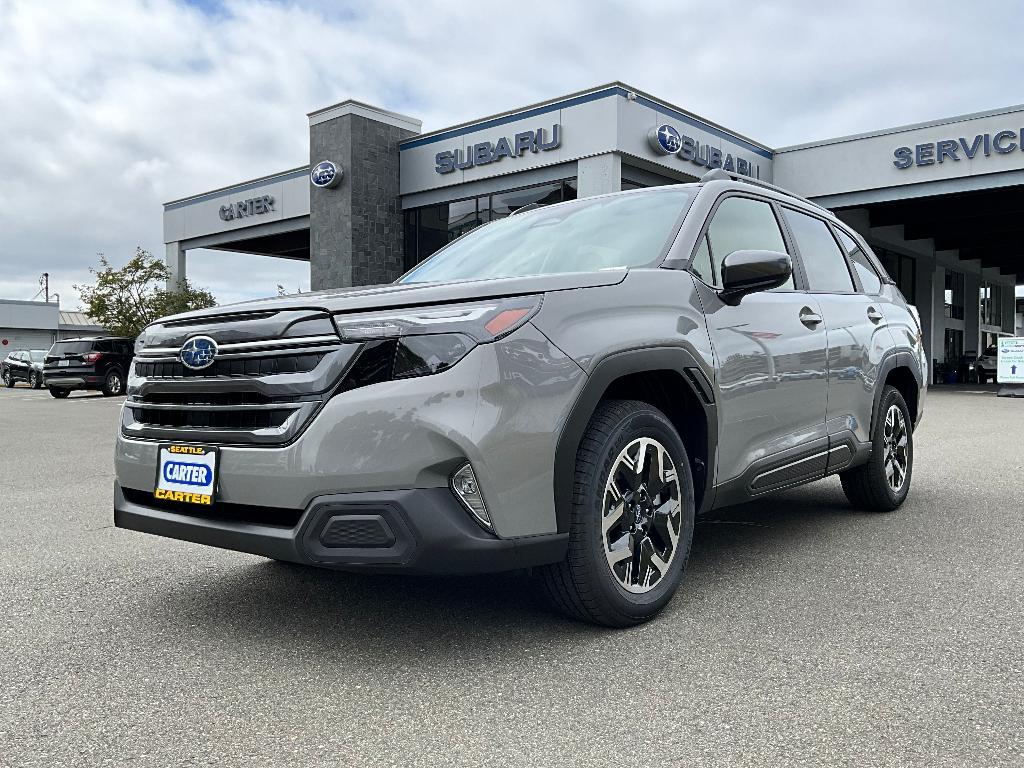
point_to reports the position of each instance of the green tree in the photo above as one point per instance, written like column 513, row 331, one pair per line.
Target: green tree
column 128, row 299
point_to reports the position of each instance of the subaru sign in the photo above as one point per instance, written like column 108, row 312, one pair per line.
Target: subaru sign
column 486, row 152
column 198, row 352
column 325, row 175
column 667, row 140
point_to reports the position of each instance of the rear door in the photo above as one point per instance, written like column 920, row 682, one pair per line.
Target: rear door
column 770, row 357
column 857, row 333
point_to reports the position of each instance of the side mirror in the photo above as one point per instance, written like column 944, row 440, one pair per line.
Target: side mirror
column 746, row 272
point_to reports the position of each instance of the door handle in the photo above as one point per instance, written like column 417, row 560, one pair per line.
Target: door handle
column 809, row 318
column 875, row 316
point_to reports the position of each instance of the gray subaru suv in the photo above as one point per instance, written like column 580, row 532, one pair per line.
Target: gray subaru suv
column 564, row 390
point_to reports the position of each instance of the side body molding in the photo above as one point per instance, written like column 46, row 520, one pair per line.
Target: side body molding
column 672, row 358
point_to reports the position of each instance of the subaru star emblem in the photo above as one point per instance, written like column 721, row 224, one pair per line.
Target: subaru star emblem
column 665, row 140
column 325, row 174
column 198, row 352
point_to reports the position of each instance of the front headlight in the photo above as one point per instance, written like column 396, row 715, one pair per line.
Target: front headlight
column 482, row 321
column 405, row 343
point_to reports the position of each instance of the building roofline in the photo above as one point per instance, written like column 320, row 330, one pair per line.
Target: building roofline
column 905, row 128
column 22, row 302
column 354, row 106
column 302, row 169
column 614, row 88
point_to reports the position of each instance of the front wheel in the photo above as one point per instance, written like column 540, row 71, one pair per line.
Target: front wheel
column 34, row 380
column 631, row 520
column 8, row 379
column 59, row 393
column 982, row 378
column 882, row 484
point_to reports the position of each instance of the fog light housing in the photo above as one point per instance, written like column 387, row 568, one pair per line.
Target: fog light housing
column 466, row 487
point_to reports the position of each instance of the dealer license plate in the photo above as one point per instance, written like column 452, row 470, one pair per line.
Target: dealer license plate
column 186, row 473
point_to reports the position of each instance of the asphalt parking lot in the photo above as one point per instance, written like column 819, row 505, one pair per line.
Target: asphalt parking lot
column 805, row 634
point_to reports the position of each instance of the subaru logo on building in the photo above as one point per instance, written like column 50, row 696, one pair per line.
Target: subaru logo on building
column 325, row 174
column 666, row 140
column 198, row 352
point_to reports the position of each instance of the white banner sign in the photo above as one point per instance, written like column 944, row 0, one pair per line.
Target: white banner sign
column 1010, row 365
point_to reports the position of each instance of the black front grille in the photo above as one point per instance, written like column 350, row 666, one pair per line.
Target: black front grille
column 243, row 366
column 213, row 419
column 220, row 510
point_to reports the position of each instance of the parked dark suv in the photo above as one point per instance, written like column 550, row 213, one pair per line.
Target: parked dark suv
column 563, row 389
column 93, row 363
column 23, row 365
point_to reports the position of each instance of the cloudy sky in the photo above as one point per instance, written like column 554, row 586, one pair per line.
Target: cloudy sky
column 109, row 109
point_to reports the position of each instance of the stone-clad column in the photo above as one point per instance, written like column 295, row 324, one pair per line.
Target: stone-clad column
column 356, row 225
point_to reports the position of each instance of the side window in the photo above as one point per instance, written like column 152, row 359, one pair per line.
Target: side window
column 102, row 346
column 868, row 277
column 743, row 224
column 823, row 262
column 701, row 262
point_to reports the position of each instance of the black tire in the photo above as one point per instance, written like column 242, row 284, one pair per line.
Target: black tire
column 59, row 393
column 868, row 487
column 35, row 380
column 8, row 378
column 584, row 585
column 982, row 378
column 113, row 384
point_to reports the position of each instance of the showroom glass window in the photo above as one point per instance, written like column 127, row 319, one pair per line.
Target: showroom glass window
column 902, row 269
column 865, row 272
column 430, row 228
column 739, row 224
column 991, row 302
column 954, row 295
column 823, row 261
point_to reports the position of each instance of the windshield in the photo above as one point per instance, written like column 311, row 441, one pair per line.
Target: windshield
column 38, row 355
column 581, row 236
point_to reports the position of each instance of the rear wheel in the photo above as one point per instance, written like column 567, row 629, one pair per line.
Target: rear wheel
column 882, row 484
column 8, row 378
column 113, row 384
column 59, row 393
column 631, row 521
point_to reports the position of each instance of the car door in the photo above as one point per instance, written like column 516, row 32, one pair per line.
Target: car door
column 769, row 358
column 855, row 325
column 18, row 372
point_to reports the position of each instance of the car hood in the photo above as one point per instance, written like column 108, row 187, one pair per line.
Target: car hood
column 276, row 317
column 412, row 294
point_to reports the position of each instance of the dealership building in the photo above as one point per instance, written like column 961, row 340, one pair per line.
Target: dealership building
column 942, row 202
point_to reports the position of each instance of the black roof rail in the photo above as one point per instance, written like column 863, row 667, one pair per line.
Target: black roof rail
column 720, row 174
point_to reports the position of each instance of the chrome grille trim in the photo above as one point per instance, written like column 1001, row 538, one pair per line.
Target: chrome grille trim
column 154, row 354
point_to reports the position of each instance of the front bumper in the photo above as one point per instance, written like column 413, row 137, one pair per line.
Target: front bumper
column 498, row 409
column 420, row 531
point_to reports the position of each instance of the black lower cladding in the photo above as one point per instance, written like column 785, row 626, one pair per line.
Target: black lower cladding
column 430, row 532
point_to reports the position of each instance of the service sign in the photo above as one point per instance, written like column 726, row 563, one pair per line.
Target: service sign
column 1010, row 362
column 186, row 473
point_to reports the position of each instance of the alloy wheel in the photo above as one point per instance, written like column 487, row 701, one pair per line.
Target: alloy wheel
column 895, row 456
column 641, row 515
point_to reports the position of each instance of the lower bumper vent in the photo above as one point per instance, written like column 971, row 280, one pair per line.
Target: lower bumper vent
column 357, row 531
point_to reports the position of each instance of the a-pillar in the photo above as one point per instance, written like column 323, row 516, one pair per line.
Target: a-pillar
column 175, row 260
